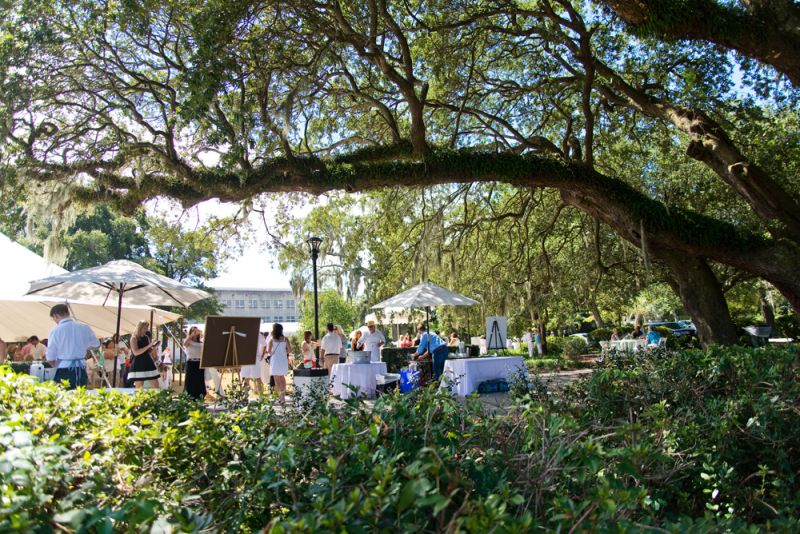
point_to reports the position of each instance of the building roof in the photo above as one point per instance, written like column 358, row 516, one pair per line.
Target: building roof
column 273, row 289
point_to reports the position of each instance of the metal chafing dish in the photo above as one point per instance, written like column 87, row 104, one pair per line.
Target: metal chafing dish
column 358, row 356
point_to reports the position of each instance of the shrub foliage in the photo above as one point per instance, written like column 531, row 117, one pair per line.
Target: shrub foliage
column 686, row 441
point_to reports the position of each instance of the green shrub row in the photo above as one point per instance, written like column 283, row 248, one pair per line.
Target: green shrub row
column 687, row 441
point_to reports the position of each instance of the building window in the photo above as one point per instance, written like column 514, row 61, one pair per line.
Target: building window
column 226, row 303
column 279, row 318
column 240, row 304
column 278, row 304
column 290, row 304
column 266, row 319
column 265, row 304
column 253, row 304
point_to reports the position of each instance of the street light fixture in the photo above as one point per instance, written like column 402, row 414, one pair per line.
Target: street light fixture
column 314, row 244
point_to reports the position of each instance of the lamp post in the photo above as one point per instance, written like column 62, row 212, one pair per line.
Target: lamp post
column 313, row 244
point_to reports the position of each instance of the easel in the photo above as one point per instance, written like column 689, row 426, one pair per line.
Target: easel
column 494, row 335
column 101, row 370
column 231, row 355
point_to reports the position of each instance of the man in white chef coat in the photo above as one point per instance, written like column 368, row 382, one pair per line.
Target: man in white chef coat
column 372, row 341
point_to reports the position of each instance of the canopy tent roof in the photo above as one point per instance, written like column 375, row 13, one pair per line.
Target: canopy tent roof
column 424, row 295
column 102, row 284
column 20, row 266
column 29, row 316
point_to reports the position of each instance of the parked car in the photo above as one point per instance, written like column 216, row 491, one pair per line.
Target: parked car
column 675, row 328
column 582, row 335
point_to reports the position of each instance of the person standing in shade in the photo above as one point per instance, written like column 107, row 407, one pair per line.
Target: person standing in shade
column 343, row 353
column 195, row 385
column 355, row 340
column 67, row 344
column 143, row 367
column 330, row 348
column 278, row 351
column 430, row 343
column 372, row 342
column 537, row 339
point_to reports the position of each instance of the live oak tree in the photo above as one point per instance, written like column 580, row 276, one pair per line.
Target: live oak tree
column 231, row 99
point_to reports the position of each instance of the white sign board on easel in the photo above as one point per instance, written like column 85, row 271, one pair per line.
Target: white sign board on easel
column 496, row 328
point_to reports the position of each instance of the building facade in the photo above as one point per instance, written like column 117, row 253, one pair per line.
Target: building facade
column 271, row 305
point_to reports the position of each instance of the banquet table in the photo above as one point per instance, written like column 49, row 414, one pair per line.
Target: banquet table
column 466, row 374
column 628, row 345
column 358, row 375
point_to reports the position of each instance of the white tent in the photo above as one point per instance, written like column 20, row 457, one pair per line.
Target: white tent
column 28, row 316
column 20, row 266
column 21, row 317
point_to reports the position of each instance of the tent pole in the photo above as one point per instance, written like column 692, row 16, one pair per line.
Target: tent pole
column 180, row 354
column 116, row 340
column 428, row 326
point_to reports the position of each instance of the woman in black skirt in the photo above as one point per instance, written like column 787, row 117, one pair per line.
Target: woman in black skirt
column 143, row 367
column 195, row 377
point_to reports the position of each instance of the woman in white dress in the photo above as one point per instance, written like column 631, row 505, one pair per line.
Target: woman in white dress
column 278, row 351
column 254, row 372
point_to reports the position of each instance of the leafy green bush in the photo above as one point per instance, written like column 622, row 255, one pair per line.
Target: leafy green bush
column 555, row 345
column 787, row 325
column 689, row 441
column 575, row 346
column 601, row 334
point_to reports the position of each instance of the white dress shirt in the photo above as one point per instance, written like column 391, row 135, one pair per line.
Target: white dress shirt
column 68, row 342
column 331, row 344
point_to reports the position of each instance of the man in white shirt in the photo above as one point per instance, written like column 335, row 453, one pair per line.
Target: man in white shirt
column 330, row 348
column 372, row 341
column 67, row 344
column 529, row 339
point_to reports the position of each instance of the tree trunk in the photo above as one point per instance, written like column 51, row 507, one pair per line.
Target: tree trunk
column 598, row 318
column 701, row 294
column 767, row 312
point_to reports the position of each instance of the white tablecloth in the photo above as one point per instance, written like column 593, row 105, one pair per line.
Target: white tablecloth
column 359, row 375
column 628, row 345
column 468, row 373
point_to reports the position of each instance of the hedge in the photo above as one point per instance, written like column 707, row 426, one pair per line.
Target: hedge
column 692, row 441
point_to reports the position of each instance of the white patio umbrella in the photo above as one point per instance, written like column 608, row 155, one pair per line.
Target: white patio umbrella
column 425, row 295
column 120, row 279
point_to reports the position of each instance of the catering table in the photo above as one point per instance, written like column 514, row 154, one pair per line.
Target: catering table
column 628, row 345
column 358, row 375
column 466, row 374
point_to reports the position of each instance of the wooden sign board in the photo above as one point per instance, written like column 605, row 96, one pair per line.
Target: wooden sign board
column 230, row 341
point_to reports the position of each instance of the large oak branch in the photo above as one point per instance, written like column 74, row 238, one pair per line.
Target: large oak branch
column 767, row 31
column 606, row 198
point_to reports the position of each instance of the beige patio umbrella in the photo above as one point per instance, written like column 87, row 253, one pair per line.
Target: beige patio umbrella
column 120, row 279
